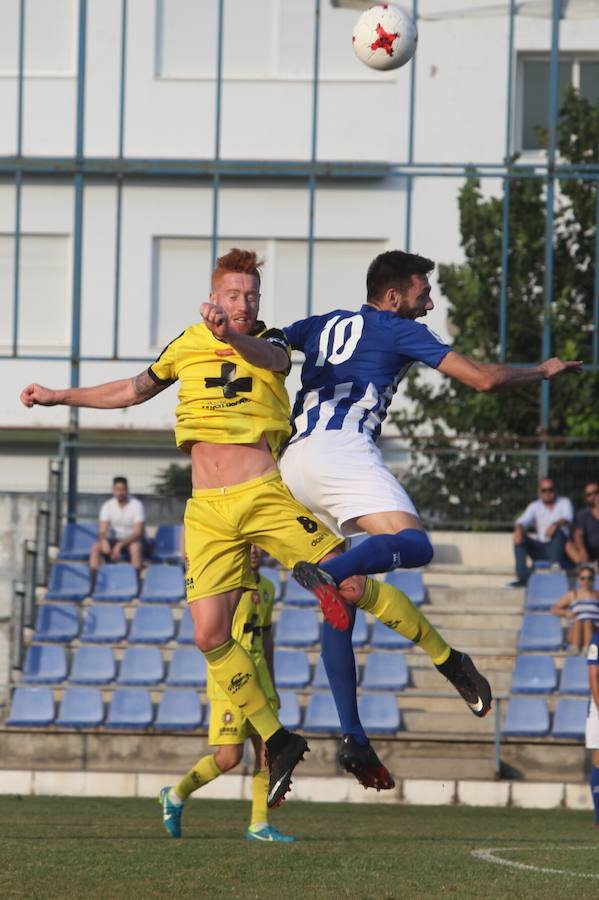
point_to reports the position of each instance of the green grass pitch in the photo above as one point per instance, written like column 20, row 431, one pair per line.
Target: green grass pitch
column 116, row 848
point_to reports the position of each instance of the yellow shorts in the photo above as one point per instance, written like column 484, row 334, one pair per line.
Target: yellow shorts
column 222, row 523
column 228, row 725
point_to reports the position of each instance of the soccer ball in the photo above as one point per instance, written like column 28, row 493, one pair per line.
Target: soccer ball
column 385, row 37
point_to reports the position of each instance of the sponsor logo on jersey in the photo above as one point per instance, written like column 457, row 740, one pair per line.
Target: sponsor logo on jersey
column 189, row 583
column 227, row 717
column 229, row 383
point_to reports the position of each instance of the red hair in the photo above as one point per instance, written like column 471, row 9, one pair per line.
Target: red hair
column 237, row 260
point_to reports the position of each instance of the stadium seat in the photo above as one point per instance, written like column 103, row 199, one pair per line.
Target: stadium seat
column 386, row 639
column 167, row 544
column 360, row 633
column 140, row 666
column 130, row 708
column 297, row 628
column 185, row 632
column 575, row 676
column 45, row 665
column 540, row 632
column 77, row 539
column 56, row 622
column 116, row 583
column 31, row 707
column 163, row 584
column 81, row 708
column 68, row 581
column 152, row 625
column 410, row 582
column 273, row 576
column 290, row 714
column 544, row 589
column 292, row 669
column 526, row 717
column 187, row 668
column 321, row 715
column 570, row 718
column 93, row 665
column 320, row 679
column 379, row 713
column 534, row 675
column 104, row 625
column 179, row 711
column 296, row 595
column 385, row 672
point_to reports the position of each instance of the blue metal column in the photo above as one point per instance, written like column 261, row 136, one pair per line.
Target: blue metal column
column 119, row 184
column 505, row 227
column 412, row 114
column 313, row 154
column 18, row 185
column 549, row 222
column 77, row 263
column 217, row 126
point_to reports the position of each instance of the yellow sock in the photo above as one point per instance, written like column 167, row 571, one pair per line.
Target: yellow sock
column 259, row 796
column 205, row 770
column 234, row 670
column 397, row 612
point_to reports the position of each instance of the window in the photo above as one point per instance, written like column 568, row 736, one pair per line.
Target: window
column 582, row 72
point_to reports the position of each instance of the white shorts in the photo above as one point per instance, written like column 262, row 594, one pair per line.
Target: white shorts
column 340, row 476
column 591, row 738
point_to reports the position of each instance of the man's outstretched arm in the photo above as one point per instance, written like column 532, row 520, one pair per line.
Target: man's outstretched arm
column 498, row 377
column 112, row 395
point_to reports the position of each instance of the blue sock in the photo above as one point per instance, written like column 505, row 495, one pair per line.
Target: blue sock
column 340, row 665
column 594, row 780
column 381, row 553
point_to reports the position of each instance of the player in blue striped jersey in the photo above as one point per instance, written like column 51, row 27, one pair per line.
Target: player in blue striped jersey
column 354, row 362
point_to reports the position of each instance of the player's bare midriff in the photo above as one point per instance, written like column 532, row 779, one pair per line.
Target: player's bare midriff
column 223, row 465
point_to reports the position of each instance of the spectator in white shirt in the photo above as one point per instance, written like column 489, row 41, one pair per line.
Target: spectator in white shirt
column 121, row 528
column 552, row 518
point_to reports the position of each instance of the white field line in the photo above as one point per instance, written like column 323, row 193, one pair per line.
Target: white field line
column 488, row 855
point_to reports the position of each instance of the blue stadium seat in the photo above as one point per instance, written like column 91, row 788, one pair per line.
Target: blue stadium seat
column 77, row 539
column 104, row 625
column 385, row 672
column 56, row 622
column 540, row 632
column 575, row 676
column 385, row 638
column 273, row 576
column 321, row 715
column 163, row 584
column 93, row 665
column 31, row 707
column 185, row 631
column 45, row 665
column 526, row 717
column 292, row 669
column 152, row 625
column 320, row 680
column 116, row 583
column 544, row 589
column 167, row 544
column 140, row 666
column 179, row 711
column 296, row 595
column 534, row 675
column 81, row 708
column 68, row 581
column 360, row 633
column 379, row 713
column 297, row 628
column 570, row 718
column 130, row 708
column 290, row 714
column 410, row 582
column 187, row 668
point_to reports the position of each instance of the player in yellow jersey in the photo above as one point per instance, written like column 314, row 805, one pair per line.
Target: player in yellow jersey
column 229, row 728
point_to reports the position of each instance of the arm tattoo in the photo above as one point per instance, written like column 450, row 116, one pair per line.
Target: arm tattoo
column 145, row 388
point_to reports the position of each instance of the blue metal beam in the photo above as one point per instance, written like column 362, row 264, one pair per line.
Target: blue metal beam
column 217, row 130
column 313, row 155
column 505, row 227
column 119, row 184
column 411, row 131
column 18, row 185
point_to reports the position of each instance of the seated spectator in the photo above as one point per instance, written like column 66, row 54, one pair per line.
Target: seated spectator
column 121, row 528
column 582, row 606
column 586, row 527
column 552, row 518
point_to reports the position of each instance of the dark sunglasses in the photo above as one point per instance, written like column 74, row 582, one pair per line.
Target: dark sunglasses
column 591, row 493
column 585, row 577
column 548, row 490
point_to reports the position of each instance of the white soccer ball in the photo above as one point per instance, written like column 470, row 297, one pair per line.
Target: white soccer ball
column 385, row 37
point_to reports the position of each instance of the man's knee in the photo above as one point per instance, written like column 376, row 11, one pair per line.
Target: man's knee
column 416, row 549
column 228, row 756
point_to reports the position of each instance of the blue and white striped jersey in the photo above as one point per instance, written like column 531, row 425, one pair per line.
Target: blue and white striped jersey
column 354, row 363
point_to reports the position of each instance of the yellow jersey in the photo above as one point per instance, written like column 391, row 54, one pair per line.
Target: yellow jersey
column 222, row 398
column 250, row 622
